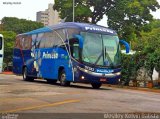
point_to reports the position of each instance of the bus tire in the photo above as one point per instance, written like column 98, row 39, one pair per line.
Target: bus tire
column 25, row 75
column 62, row 79
column 96, row 85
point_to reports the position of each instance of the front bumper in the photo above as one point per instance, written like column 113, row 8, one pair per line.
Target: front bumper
column 94, row 77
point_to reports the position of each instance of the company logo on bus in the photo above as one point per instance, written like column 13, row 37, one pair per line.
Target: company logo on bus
column 98, row 29
column 107, row 71
column 47, row 55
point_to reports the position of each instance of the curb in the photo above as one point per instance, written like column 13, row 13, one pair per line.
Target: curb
column 7, row 73
column 134, row 88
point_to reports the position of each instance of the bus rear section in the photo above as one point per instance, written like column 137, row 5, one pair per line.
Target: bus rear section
column 1, row 52
column 42, row 55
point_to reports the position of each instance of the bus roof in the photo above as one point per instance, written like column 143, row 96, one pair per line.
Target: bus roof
column 81, row 26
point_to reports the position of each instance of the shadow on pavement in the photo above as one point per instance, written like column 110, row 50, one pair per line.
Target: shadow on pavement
column 88, row 86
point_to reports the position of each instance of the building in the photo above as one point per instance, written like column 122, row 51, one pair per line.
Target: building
column 48, row 17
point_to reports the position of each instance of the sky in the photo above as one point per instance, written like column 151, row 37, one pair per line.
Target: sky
column 23, row 9
column 27, row 9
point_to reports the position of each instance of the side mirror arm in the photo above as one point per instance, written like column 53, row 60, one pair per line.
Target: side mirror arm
column 80, row 39
column 127, row 46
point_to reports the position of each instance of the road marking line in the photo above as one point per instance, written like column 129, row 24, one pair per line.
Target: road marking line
column 41, row 106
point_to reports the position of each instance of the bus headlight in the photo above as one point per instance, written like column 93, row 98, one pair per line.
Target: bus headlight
column 82, row 77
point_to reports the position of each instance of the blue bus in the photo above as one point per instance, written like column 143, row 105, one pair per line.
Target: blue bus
column 69, row 52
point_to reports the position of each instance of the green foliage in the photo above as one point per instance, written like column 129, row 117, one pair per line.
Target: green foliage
column 65, row 8
column 152, row 48
column 19, row 25
column 9, row 37
column 128, row 68
column 85, row 10
column 128, row 17
column 10, row 27
column 148, row 57
column 130, row 65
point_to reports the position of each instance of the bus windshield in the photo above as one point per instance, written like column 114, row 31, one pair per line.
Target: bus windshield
column 100, row 49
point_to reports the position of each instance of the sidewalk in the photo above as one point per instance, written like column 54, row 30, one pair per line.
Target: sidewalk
column 134, row 88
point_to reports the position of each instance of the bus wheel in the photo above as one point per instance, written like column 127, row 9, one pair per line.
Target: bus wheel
column 96, row 85
column 25, row 75
column 62, row 79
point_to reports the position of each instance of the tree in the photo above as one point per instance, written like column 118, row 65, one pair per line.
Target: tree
column 128, row 17
column 19, row 25
column 9, row 38
column 149, row 55
column 85, row 10
column 10, row 27
column 151, row 43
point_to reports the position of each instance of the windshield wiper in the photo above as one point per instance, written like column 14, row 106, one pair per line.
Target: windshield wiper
column 98, row 58
column 108, row 57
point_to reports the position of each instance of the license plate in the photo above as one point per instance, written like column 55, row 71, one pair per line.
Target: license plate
column 103, row 80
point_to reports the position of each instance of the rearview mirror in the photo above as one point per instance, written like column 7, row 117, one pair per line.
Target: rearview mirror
column 126, row 45
column 80, row 39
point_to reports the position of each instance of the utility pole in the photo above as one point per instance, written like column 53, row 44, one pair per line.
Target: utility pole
column 73, row 9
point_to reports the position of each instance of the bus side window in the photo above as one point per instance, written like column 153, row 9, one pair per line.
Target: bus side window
column 27, row 42
column 39, row 41
column 18, row 42
column 62, row 34
column 76, row 51
column 74, row 46
column 34, row 38
column 58, row 40
column 72, row 31
column 49, row 40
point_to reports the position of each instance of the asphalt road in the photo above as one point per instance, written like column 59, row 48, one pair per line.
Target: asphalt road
column 39, row 97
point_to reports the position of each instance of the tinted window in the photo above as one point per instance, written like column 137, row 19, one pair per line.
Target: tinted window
column 18, row 43
column 23, row 42
column 58, row 40
column 39, row 42
column 27, row 42
column 62, row 33
column 49, row 40
column 34, row 38
column 71, row 32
